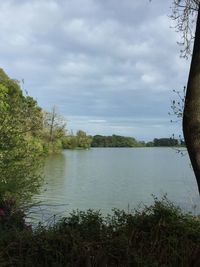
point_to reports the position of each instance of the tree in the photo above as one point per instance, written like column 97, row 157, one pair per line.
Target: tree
column 80, row 140
column 83, row 140
column 54, row 129
column 20, row 151
column 186, row 13
column 69, row 142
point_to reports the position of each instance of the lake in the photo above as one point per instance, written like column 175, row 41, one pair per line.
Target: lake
column 124, row 178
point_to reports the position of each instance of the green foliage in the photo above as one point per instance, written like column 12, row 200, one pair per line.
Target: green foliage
column 11, row 216
column 20, row 151
column 81, row 140
column 165, row 142
column 115, row 141
column 122, row 141
column 53, row 147
column 69, row 142
column 149, row 144
column 54, row 128
column 160, row 235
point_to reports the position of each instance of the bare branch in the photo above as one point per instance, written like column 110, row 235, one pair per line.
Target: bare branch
column 184, row 13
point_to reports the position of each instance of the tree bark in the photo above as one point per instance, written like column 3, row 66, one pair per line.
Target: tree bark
column 191, row 115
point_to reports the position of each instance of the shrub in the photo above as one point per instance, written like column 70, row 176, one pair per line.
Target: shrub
column 160, row 235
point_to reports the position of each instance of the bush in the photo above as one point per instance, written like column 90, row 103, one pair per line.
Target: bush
column 11, row 216
column 160, row 235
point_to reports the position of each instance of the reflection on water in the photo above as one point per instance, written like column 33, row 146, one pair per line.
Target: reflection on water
column 104, row 178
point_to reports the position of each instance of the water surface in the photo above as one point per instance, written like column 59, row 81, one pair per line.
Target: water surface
column 106, row 178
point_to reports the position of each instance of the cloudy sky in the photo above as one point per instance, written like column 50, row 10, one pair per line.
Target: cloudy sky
column 109, row 66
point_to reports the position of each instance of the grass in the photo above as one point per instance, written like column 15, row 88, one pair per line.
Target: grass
column 161, row 235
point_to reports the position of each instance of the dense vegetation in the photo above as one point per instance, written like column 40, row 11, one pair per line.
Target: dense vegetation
column 20, row 148
column 165, row 142
column 115, row 141
column 160, row 235
column 122, row 141
column 81, row 140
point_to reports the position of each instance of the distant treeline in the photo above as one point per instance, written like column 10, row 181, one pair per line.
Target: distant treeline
column 83, row 141
column 115, row 141
column 165, row 142
column 122, row 141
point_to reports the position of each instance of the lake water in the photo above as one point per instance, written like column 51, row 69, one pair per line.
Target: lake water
column 106, row 178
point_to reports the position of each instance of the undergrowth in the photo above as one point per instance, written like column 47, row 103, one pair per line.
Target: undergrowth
column 158, row 236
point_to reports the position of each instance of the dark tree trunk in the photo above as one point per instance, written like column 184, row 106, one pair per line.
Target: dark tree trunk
column 191, row 115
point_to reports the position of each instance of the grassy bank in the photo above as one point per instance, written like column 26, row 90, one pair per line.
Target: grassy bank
column 160, row 235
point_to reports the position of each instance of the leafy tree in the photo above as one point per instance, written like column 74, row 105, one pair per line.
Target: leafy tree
column 187, row 15
column 20, row 151
column 69, row 142
column 83, row 140
column 54, row 129
column 80, row 140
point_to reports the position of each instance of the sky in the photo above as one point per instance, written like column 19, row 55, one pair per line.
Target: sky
column 108, row 66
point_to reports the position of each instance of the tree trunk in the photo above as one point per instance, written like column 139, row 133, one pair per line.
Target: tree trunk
column 191, row 115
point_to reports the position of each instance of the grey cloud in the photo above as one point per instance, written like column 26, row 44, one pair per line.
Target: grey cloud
column 141, row 128
column 95, row 58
